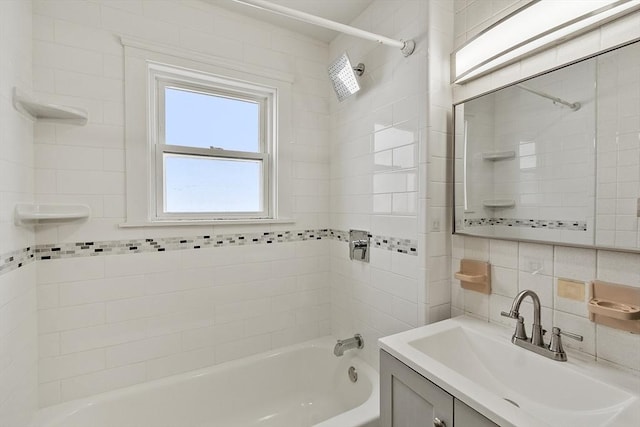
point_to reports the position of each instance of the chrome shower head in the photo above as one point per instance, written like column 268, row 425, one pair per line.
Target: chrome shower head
column 343, row 77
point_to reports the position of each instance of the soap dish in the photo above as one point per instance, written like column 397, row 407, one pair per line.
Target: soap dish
column 614, row 305
column 475, row 275
column 614, row 309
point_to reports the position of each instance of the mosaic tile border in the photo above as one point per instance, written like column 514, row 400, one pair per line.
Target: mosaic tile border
column 17, row 259
column 117, row 247
column 404, row 246
column 550, row 224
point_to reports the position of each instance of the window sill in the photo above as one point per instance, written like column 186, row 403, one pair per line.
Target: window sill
column 194, row 222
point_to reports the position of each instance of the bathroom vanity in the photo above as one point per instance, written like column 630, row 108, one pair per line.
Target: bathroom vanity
column 466, row 372
column 408, row 399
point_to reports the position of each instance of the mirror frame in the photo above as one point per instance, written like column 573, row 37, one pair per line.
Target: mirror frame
column 453, row 160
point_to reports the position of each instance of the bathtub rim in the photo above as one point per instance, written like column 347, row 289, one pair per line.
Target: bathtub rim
column 366, row 412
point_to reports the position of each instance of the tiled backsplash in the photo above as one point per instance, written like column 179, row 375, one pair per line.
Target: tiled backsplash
column 518, row 266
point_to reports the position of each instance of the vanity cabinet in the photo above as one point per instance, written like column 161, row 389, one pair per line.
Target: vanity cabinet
column 407, row 399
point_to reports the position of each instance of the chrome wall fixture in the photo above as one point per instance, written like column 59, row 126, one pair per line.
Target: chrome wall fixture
column 359, row 245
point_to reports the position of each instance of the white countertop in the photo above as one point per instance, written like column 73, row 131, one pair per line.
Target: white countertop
column 480, row 397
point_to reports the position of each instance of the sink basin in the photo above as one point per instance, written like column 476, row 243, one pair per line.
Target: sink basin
column 477, row 363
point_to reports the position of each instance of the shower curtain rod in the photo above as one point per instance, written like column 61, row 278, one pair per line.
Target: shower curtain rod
column 406, row 46
column 575, row 106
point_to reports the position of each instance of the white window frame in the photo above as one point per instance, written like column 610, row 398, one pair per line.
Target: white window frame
column 162, row 77
column 141, row 130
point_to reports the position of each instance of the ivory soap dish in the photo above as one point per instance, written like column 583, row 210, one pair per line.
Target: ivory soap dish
column 614, row 305
column 475, row 275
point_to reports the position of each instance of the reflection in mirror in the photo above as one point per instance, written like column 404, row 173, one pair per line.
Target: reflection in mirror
column 526, row 163
column 618, row 148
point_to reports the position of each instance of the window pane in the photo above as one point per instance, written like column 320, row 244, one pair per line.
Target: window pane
column 203, row 184
column 203, row 120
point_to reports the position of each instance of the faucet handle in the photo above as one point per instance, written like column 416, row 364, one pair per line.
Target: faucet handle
column 556, row 343
column 571, row 335
column 511, row 314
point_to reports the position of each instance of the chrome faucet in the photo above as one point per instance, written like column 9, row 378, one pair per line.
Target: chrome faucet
column 348, row 344
column 536, row 344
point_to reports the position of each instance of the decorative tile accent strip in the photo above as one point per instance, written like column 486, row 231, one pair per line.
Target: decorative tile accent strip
column 117, row 247
column 16, row 259
column 19, row 258
column 551, row 224
column 405, row 246
column 113, row 247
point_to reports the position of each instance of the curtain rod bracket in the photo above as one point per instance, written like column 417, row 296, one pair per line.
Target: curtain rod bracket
column 408, row 48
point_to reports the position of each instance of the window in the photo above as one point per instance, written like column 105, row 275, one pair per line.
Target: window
column 212, row 149
column 202, row 139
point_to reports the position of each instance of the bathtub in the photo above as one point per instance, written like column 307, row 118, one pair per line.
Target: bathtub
column 297, row 386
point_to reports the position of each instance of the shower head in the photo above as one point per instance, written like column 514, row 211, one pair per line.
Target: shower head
column 343, row 77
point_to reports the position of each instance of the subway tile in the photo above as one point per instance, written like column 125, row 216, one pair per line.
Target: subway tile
column 619, row 267
column 74, row 317
column 79, row 12
column 574, row 263
column 69, row 270
column 536, row 258
column 580, row 326
column 49, row 394
column 55, row 368
column 98, row 382
column 504, row 281
column 242, row 348
column 81, row 339
column 100, row 290
column 142, row 350
column 54, row 55
column 123, row 22
column 503, row 253
column 619, row 347
column 179, row 321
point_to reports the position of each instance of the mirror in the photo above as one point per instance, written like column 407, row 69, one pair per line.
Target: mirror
column 555, row 158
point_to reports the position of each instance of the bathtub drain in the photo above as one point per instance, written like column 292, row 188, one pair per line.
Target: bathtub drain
column 353, row 374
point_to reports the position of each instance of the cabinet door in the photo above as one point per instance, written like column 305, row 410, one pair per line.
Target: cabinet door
column 465, row 416
column 407, row 399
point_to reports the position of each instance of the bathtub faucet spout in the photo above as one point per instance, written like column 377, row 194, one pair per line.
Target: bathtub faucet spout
column 348, row 344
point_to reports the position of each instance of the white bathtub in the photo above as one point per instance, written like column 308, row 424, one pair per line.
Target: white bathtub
column 298, row 386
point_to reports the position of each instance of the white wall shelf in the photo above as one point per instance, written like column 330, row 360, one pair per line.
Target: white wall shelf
column 499, row 203
column 48, row 112
column 494, row 156
column 29, row 214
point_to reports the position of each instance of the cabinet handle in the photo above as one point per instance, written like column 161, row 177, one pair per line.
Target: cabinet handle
column 437, row 422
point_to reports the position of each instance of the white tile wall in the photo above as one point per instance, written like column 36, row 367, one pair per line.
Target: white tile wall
column 374, row 176
column 386, row 141
column 78, row 61
column 112, row 321
column 539, row 268
column 618, row 188
column 517, row 266
column 122, row 319
column 18, row 319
